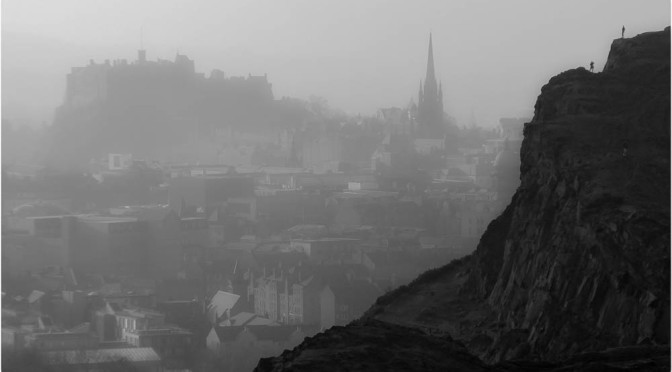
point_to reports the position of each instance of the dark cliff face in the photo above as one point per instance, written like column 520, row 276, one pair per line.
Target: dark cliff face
column 586, row 259
column 578, row 262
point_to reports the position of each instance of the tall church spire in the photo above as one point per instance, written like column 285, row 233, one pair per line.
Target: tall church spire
column 430, row 103
column 430, row 62
column 441, row 99
column 430, row 92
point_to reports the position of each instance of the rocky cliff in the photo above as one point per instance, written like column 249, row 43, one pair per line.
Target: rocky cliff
column 574, row 273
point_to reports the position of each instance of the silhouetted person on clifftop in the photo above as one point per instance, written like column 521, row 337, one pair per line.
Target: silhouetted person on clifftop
column 623, row 32
column 592, row 65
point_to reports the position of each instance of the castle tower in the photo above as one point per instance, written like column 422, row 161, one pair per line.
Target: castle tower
column 430, row 102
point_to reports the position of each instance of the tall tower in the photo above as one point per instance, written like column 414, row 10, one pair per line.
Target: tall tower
column 430, row 102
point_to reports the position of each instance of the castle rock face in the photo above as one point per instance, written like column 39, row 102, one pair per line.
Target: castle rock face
column 574, row 275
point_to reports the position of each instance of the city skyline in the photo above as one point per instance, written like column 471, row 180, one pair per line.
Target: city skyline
column 231, row 185
column 358, row 57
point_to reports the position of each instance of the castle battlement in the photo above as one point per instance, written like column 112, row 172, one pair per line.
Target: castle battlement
column 98, row 83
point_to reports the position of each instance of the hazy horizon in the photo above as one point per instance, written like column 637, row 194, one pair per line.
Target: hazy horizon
column 492, row 57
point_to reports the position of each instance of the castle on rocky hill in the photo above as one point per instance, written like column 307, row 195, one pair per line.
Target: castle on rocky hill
column 155, row 80
column 161, row 110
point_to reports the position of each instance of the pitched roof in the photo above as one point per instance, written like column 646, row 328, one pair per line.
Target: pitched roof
column 222, row 301
column 226, row 333
column 247, row 319
column 138, row 312
column 34, row 296
column 242, row 318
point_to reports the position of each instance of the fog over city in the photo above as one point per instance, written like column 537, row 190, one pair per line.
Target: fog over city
column 492, row 57
column 373, row 185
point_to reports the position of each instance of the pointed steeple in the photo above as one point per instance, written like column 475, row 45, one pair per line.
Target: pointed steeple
column 430, row 116
column 430, row 63
column 440, row 100
column 430, row 91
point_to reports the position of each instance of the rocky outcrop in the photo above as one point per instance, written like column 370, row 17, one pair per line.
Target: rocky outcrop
column 578, row 263
column 371, row 345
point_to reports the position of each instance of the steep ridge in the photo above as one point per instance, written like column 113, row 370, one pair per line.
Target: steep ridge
column 578, row 263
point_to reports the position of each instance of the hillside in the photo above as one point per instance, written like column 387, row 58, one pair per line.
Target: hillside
column 574, row 273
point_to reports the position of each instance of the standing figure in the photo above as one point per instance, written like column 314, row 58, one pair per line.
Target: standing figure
column 592, row 65
column 623, row 32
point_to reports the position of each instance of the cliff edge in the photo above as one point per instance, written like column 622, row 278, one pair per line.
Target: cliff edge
column 574, row 273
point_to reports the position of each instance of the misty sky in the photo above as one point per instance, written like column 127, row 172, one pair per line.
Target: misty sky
column 492, row 56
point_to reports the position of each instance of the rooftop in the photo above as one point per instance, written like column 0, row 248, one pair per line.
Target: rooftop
column 357, row 194
column 167, row 330
column 139, row 313
column 106, row 219
column 249, row 319
column 133, row 355
column 61, row 335
column 222, row 301
column 325, row 240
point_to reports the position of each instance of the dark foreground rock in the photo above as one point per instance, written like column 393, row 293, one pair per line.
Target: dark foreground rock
column 371, row 345
column 377, row 346
column 574, row 275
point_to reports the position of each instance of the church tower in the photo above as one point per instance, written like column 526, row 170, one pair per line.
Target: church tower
column 430, row 102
